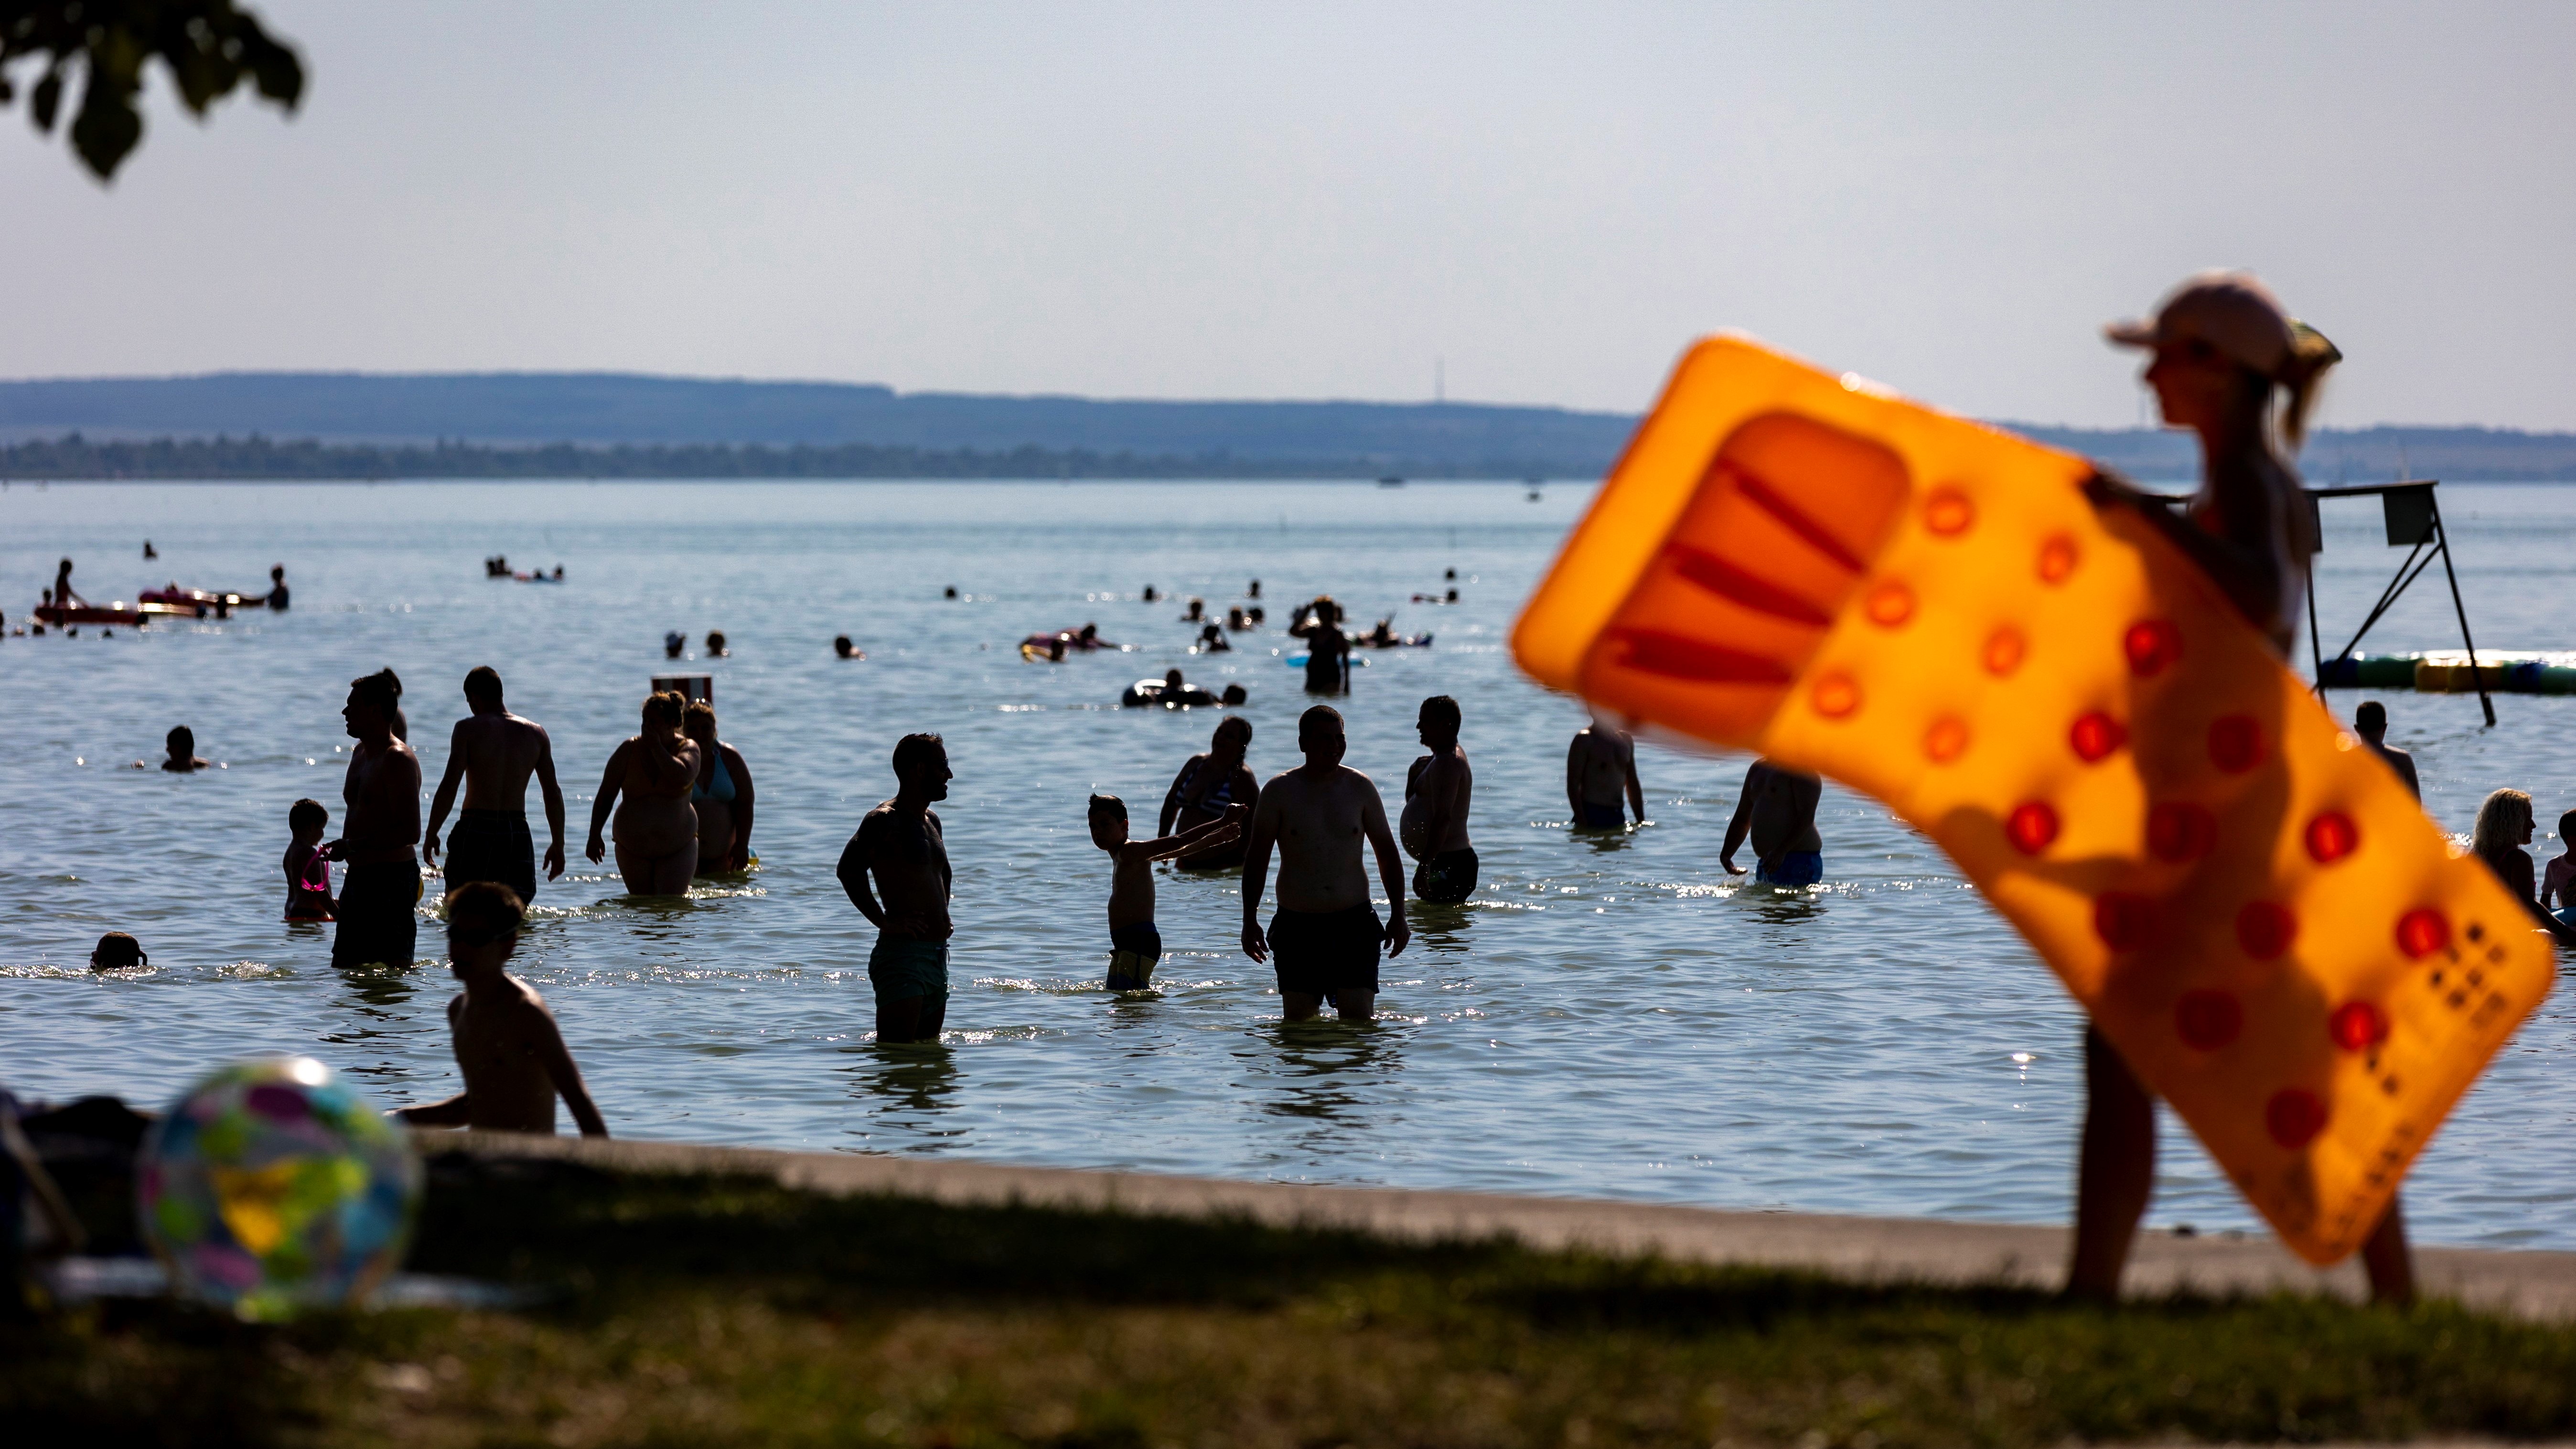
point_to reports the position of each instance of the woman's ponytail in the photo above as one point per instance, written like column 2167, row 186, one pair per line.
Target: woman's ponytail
column 2310, row 355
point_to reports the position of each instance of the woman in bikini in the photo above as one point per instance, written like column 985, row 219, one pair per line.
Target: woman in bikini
column 657, row 830
column 2223, row 350
column 1206, row 786
column 723, row 797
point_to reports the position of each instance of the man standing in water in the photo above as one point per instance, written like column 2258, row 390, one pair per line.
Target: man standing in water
column 1600, row 763
column 901, row 845
column 1326, row 935
column 1436, row 794
column 494, row 751
column 2371, row 723
column 381, row 822
column 1779, row 808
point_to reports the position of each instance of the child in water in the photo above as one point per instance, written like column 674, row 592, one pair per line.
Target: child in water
column 116, row 951
column 507, row 1044
column 1135, row 946
column 308, row 874
column 2559, row 881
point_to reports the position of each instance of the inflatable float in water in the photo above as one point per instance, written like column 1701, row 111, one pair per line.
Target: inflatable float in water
column 2248, row 903
column 1154, row 691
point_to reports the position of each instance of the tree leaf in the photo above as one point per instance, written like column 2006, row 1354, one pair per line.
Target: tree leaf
column 107, row 128
column 47, row 96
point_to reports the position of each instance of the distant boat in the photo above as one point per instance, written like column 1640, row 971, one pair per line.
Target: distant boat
column 1390, row 481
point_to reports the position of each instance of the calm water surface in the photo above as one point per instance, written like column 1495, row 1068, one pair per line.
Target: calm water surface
column 1608, row 1016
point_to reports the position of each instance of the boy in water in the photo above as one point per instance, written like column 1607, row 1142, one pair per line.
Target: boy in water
column 1135, row 946
column 507, row 1044
column 308, row 873
column 181, row 746
column 116, row 951
column 2559, row 882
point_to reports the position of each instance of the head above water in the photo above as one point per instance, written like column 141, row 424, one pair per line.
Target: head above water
column 181, row 742
column 2223, row 343
column 1232, row 738
column 2371, row 720
column 1108, row 816
column 483, row 913
column 1319, row 735
column 921, row 765
column 117, row 950
column 841, row 645
column 1439, row 720
column 374, row 701
column 1172, row 679
column 664, row 709
column 2504, row 822
column 483, row 688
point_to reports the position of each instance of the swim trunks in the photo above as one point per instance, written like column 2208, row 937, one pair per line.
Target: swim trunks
column 1796, row 868
column 1320, row 952
column 901, row 970
column 1597, row 816
column 378, row 926
column 1447, row 878
column 1135, row 950
column 493, row 845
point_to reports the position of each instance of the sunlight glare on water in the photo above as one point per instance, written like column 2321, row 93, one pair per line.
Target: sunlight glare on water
column 1609, row 1016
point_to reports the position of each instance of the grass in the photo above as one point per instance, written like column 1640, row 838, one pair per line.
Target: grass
column 714, row 1311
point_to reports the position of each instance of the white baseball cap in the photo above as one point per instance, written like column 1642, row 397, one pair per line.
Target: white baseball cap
column 2235, row 315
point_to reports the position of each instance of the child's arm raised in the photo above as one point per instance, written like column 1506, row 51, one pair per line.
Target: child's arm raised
column 1219, row 831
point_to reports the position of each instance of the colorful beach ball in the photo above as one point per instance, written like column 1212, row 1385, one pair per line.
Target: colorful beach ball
column 272, row 1187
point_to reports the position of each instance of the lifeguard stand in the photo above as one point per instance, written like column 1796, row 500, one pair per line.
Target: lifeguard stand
column 2414, row 518
column 692, row 687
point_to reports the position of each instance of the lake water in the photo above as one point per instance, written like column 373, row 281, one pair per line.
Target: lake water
column 1608, row 1017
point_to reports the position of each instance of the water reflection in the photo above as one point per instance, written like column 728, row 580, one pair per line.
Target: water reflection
column 1606, row 842
column 1325, row 1066
column 1439, row 927
column 909, row 1085
column 1782, row 905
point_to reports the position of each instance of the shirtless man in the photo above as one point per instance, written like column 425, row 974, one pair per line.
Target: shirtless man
column 1325, row 933
column 507, row 1044
column 1779, row 808
column 1436, row 794
column 2371, row 723
column 1599, row 765
column 899, row 843
column 378, row 828
column 181, row 747
column 494, row 751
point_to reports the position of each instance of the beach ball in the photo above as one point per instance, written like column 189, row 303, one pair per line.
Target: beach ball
column 272, row 1187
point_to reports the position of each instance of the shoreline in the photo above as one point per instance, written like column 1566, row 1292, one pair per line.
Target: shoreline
column 2531, row 1285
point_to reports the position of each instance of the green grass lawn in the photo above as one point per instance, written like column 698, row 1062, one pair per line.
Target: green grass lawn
column 694, row 1311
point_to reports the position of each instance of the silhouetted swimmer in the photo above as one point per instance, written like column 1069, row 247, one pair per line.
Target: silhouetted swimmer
column 379, row 825
column 1600, row 764
column 2222, row 346
column 1234, row 694
column 508, row 1047
column 1212, row 640
column 62, row 594
column 117, row 951
column 1235, row 620
column 148, row 551
column 278, row 594
column 722, row 797
column 842, row 648
column 492, row 752
column 308, row 872
column 1135, row 942
column 715, row 644
column 657, row 831
column 1150, row 595
column 1207, row 786
column 1437, row 792
column 1196, row 612
column 181, row 745
column 952, row 592
column 900, row 848
column 1328, row 650
column 1777, row 808
column 674, row 643
column 2371, row 723
column 1325, row 933
column 1253, row 590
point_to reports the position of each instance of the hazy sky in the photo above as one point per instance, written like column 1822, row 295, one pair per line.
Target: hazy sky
column 1319, row 200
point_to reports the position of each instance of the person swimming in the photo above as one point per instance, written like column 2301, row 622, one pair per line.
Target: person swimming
column 842, row 648
column 657, row 830
column 674, row 643
column 1212, row 640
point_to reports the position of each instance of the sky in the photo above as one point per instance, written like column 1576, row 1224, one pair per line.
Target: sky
column 1522, row 203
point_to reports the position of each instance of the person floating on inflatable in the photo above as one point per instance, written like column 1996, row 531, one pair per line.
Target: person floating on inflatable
column 2081, row 697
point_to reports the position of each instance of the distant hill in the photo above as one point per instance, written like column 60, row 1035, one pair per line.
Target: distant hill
column 370, row 425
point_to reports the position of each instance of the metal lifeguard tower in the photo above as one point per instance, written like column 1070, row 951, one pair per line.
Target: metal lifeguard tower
column 2414, row 518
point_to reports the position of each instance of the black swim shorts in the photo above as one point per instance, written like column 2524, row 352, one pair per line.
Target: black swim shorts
column 493, row 845
column 378, row 926
column 1446, row 878
column 1320, row 952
